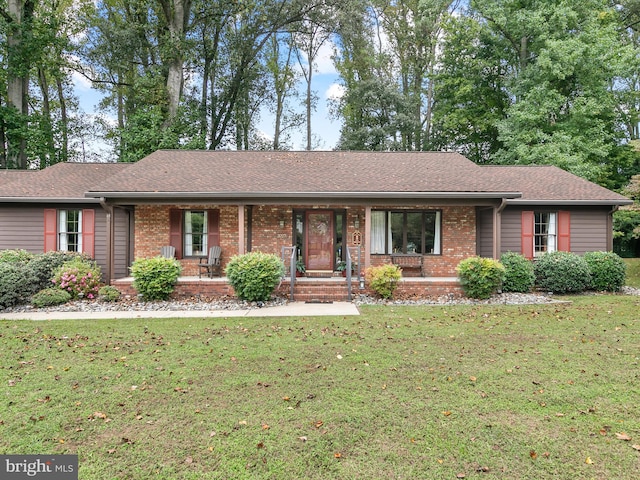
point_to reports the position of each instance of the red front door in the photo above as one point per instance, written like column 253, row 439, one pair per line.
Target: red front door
column 319, row 240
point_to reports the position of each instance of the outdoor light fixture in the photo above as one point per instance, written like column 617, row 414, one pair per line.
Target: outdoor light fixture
column 356, row 222
column 282, row 223
column 361, row 283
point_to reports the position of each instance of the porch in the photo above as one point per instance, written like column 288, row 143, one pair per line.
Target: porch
column 308, row 289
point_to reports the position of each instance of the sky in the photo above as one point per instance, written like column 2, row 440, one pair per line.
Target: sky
column 324, row 84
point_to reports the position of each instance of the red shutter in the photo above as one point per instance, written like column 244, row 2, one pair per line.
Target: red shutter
column 89, row 232
column 527, row 234
column 564, row 231
column 50, row 229
column 213, row 221
column 175, row 230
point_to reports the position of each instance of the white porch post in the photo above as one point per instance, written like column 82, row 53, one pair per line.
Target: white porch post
column 241, row 235
column 367, row 237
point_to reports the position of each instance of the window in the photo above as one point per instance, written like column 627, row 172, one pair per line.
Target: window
column 70, row 230
column 544, row 234
column 405, row 231
column 195, row 233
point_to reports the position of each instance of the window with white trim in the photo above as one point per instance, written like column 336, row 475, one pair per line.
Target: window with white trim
column 544, row 233
column 70, row 230
column 406, row 231
column 195, row 233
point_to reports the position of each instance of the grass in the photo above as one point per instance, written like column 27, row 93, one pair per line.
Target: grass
column 633, row 272
column 518, row 392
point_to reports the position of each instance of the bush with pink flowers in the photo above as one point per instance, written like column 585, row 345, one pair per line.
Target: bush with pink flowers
column 79, row 277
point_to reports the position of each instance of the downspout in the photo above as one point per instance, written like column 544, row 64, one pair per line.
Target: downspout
column 497, row 228
column 610, row 227
column 110, row 238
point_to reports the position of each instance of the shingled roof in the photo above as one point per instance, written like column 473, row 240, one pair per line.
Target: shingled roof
column 59, row 182
column 542, row 184
column 277, row 174
column 216, row 175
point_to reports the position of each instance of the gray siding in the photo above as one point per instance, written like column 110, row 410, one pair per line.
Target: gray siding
column 122, row 257
column 588, row 228
column 485, row 232
column 22, row 227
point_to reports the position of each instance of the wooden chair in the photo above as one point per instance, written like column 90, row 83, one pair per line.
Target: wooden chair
column 212, row 263
column 168, row 251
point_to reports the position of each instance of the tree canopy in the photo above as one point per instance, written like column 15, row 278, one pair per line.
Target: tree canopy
column 501, row 81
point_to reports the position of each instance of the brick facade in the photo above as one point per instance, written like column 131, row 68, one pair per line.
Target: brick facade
column 271, row 229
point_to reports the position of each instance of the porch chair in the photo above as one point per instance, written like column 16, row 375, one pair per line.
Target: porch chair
column 168, row 251
column 212, row 263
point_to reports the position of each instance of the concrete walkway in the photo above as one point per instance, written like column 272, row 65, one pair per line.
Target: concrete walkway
column 292, row 309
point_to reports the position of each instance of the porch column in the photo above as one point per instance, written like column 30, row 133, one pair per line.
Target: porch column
column 241, row 235
column 367, row 237
column 497, row 229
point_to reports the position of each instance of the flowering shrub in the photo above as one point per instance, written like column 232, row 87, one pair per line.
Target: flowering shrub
column 79, row 277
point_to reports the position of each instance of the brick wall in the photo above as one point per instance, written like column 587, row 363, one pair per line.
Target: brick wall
column 458, row 242
column 152, row 232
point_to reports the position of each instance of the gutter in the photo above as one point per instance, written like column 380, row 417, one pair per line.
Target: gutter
column 313, row 195
column 571, row 202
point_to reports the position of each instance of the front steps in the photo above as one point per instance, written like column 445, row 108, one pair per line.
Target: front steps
column 318, row 289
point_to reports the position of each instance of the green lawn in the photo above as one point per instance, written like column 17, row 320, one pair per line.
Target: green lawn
column 633, row 272
column 518, row 392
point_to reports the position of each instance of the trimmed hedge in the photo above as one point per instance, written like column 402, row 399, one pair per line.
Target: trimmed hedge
column 480, row 277
column 562, row 272
column 16, row 283
column 383, row 279
column 519, row 275
column 155, row 278
column 255, row 275
column 608, row 271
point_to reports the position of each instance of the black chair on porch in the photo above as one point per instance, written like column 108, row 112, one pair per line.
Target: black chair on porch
column 212, row 263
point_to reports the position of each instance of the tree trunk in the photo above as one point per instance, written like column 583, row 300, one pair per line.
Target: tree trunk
column 20, row 13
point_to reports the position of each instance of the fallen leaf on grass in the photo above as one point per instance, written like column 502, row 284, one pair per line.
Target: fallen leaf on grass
column 636, row 447
column 623, row 436
column 446, row 413
column 533, row 454
column 318, row 424
column 588, row 461
column 337, row 455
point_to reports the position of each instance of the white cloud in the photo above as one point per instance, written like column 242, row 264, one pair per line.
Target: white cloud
column 324, row 62
column 335, row 91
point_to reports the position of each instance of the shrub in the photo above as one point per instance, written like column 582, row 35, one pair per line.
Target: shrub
column 15, row 256
column 519, row 275
column 15, row 284
column 480, row 277
column 50, row 296
column 108, row 293
column 562, row 272
column 155, row 278
column 43, row 267
column 255, row 275
column 383, row 279
column 79, row 277
column 608, row 271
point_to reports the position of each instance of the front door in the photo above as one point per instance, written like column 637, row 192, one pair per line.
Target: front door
column 319, row 240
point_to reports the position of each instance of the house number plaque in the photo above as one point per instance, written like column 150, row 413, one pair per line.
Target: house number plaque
column 356, row 238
